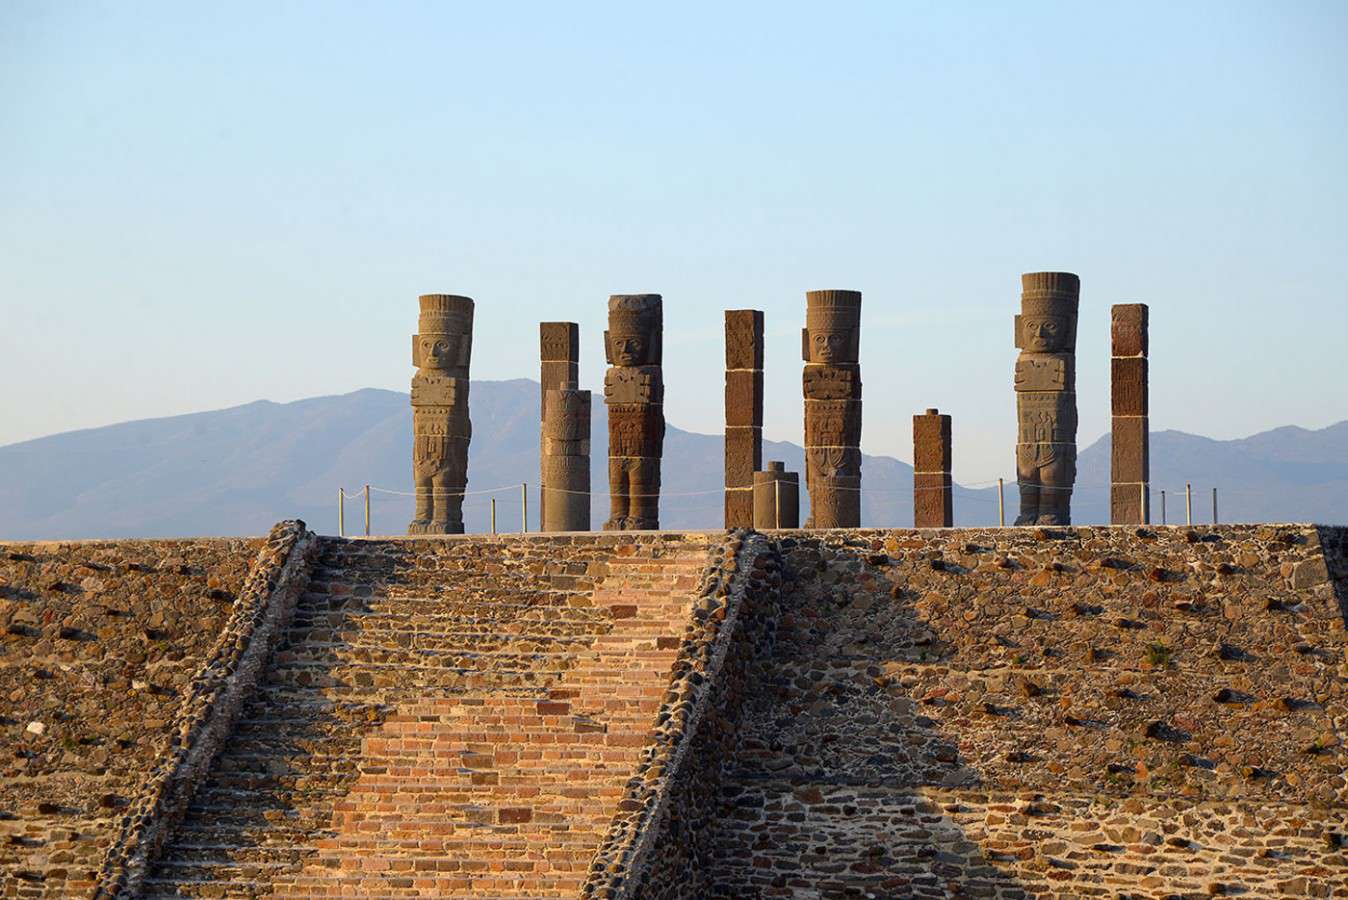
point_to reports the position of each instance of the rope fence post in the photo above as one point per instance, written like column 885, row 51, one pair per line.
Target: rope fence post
column 1214, row 506
column 493, row 515
column 1188, row 503
column 1143, row 505
column 341, row 513
column 777, row 503
column 1001, row 503
column 367, row 510
column 1162, row 507
column 524, row 506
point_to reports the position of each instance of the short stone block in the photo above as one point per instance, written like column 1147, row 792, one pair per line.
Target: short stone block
column 1129, row 386
column 1129, row 454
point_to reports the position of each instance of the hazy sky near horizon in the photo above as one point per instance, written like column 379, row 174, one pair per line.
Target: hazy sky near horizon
column 204, row 205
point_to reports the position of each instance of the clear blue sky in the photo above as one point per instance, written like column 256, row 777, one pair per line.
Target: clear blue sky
column 206, row 204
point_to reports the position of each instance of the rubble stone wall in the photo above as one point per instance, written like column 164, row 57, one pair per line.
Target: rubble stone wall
column 99, row 644
column 1046, row 712
column 656, row 839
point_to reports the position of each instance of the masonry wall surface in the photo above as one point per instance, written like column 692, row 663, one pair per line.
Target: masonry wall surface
column 1048, row 713
column 100, row 642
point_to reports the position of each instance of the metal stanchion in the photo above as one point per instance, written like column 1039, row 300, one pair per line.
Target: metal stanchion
column 1214, row 506
column 367, row 510
column 1001, row 504
column 1163, row 508
column 1188, row 503
column 524, row 505
column 1144, row 504
column 341, row 513
column 493, row 515
column 777, row 502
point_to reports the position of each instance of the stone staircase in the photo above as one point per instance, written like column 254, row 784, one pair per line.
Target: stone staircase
column 444, row 718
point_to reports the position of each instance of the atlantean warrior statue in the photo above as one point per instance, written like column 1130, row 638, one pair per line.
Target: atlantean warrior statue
column 634, row 390
column 440, row 426
column 831, row 343
column 1046, row 400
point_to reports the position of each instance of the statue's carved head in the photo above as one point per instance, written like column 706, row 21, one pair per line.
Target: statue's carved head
column 444, row 338
column 832, row 333
column 1048, row 312
column 633, row 337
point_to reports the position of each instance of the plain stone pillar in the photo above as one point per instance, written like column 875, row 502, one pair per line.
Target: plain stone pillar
column 776, row 498
column 566, row 460
column 559, row 352
column 441, row 351
column 743, row 413
column 1046, row 397
column 933, row 487
column 1130, row 457
column 831, row 345
column 634, row 390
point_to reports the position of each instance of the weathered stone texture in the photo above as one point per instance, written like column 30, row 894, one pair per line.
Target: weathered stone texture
column 634, row 391
column 446, row 717
column 933, row 487
column 1041, row 713
column 101, row 642
column 1130, row 489
column 559, row 369
column 831, row 381
column 743, row 412
column 565, row 491
column 1046, row 409
column 441, row 429
column 776, row 497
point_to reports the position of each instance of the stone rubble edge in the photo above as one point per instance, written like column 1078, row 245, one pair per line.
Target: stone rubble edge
column 205, row 719
column 620, row 863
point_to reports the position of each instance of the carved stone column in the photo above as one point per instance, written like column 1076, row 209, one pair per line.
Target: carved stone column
column 559, row 350
column 634, row 390
column 566, row 460
column 1130, row 463
column 776, row 498
column 933, row 488
column 831, row 343
column 441, row 429
column 1046, row 399
column 743, row 413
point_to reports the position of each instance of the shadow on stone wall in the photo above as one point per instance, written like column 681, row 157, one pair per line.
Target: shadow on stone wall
column 828, row 794
column 294, row 753
column 1047, row 713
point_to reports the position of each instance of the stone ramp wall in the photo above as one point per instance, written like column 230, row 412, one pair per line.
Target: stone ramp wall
column 100, row 641
column 1087, row 712
column 445, row 717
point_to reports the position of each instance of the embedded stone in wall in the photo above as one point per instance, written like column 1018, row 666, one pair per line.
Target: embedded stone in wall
column 1046, row 407
column 933, row 487
column 743, row 412
column 1130, row 477
column 559, row 353
column 776, row 497
column 830, row 346
column 441, row 429
column 566, row 461
column 634, row 392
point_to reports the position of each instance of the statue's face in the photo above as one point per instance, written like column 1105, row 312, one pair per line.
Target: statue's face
column 828, row 346
column 629, row 349
column 437, row 351
column 1044, row 334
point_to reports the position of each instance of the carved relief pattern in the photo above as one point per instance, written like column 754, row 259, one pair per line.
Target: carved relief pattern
column 634, row 392
column 441, row 428
column 566, row 460
column 831, row 382
column 1046, row 408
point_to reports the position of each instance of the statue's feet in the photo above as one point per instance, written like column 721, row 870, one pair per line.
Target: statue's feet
column 1027, row 520
column 419, row 526
column 1051, row 519
column 618, row 523
column 643, row 524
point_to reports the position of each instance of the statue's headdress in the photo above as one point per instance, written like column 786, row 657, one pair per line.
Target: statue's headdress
column 636, row 314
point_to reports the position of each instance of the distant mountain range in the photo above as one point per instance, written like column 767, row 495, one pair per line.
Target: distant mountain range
column 236, row 471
